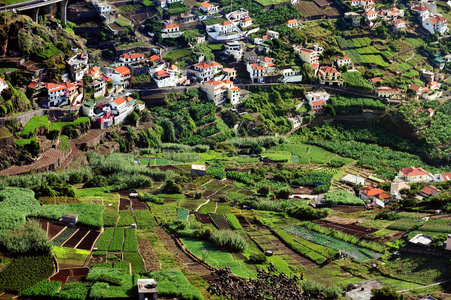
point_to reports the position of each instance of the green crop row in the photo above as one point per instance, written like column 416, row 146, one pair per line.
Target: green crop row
column 117, row 240
column 130, row 242
column 145, row 219
column 126, row 218
column 104, row 241
column 234, row 221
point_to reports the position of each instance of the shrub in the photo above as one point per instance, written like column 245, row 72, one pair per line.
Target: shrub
column 15, row 205
column 26, row 239
column 257, row 258
column 98, row 290
column 343, row 197
column 304, row 212
column 170, row 187
column 24, row 272
column 151, row 198
column 217, row 172
column 230, row 240
column 96, row 181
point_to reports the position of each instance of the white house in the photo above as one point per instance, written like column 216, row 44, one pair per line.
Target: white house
column 3, row 85
column 370, row 15
column 246, row 22
column 235, row 48
column 118, row 103
column 292, row 23
column 398, row 24
column 120, row 75
column 411, row 174
column 164, row 3
column 329, row 76
column 208, row 8
column 309, row 56
column 102, row 7
column 367, row 4
column 65, row 93
column 442, row 177
column 220, row 91
column 342, row 61
column 355, row 3
column 436, row 23
column 256, row 72
column 78, row 65
column 130, row 59
column 205, row 71
column 317, row 100
column 171, row 31
column 291, row 75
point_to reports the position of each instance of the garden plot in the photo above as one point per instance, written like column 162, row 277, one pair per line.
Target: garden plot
column 203, row 218
column 267, row 241
column 124, row 204
column 76, row 238
column 89, row 240
column 54, row 229
column 70, row 257
column 64, row 274
column 243, row 221
column 355, row 230
column 358, row 253
column 219, row 221
column 63, row 236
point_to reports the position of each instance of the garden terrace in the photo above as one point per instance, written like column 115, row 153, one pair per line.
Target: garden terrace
column 351, row 229
column 64, row 274
column 76, row 238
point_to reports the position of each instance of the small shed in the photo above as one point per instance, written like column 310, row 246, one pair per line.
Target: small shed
column 448, row 242
column 147, row 289
column 352, row 180
column 421, row 239
column 200, row 170
column 69, row 219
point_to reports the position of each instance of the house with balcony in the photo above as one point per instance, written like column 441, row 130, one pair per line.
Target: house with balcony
column 386, row 92
column 398, row 24
column 3, row 85
column 370, row 15
column 78, row 65
column 309, row 56
column 329, row 76
column 65, row 93
column 156, row 64
column 169, row 77
column 204, row 71
column 317, row 100
column 256, row 72
column 235, row 48
column 102, row 7
column 367, row 4
column 98, row 87
column 372, row 193
column 263, row 66
column 221, row 91
column 129, row 59
column 223, row 30
column 229, row 73
column 171, row 31
column 342, row 61
column 436, row 23
column 119, row 75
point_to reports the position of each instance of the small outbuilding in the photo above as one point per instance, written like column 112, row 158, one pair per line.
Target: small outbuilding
column 421, row 239
column 363, row 290
column 69, row 219
column 147, row 289
column 200, row 170
column 353, row 180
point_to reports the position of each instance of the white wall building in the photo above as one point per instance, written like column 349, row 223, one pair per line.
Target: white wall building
column 309, row 56
column 205, row 71
column 221, row 91
column 78, row 65
column 3, row 85
column 436, row 23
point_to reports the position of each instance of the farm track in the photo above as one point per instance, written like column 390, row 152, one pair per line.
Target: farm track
column 274, row 244
column 190, row 264
column 151, row 261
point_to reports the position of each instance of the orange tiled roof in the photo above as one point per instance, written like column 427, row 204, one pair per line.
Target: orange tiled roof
column 410, row 171
column 122, row 70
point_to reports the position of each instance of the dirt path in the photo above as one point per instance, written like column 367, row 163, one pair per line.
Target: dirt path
column 191, row 265
column 422, row 287
column 151, row 261
column 197, row 209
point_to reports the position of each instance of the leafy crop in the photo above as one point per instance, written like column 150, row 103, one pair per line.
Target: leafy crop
column 15, row 205
column 182, row 214
column 33, row 125
column 117, row 240
column 216, row 172
column 104, row 240
column 89, row 215
column 172, row 283
column 42, row 289
column 229, row 239
column 25, row 271
column 126, row 218
column 356, row 80
column 109, row 275
column 145, row 219
column 130, row 242
column 234, row 221
column 28, row 238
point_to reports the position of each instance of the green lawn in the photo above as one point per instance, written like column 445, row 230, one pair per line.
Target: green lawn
column 270, row 2
column 178, row 54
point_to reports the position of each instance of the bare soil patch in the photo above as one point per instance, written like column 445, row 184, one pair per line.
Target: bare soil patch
column 73, row 241
column 151, row 261
column 138, row 205
column 352, row 229
column 54, row 229
column 89, row 240
column 124, row 204
column 203, row 218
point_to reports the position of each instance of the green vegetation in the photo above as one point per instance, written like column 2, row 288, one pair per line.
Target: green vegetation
column 117, row 240
column 42, row 288
column 130, row 241
column 172, row 283
column 33, row 125
column 343, row 197
column 356, row 80
column 126, row 218
column 15, row 204
column 233, row 221
column 24, row 272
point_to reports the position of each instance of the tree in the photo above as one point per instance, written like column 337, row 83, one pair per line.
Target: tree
column 168, row 129
column 263, row 191
column 385, row 293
